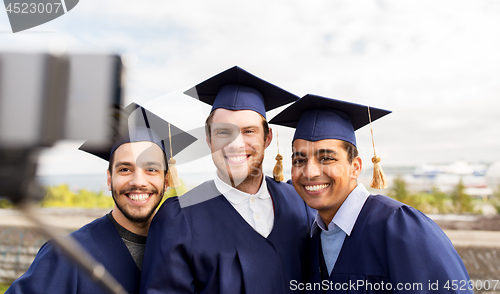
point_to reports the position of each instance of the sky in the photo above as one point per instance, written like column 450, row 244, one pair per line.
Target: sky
column 434, row 63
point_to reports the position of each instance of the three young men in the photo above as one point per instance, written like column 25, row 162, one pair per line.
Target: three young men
column 246, row 233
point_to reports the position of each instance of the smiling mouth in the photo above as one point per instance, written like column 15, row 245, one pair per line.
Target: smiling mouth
column 139, row 197
column 315, row 188
column 237, row 158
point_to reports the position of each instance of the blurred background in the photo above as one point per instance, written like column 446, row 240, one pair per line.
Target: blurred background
column 434, row 63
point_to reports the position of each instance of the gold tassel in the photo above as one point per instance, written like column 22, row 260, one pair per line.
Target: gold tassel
column 379, row 180
column 173, row 177
column 278, row 169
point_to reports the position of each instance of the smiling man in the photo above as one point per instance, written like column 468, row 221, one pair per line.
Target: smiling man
column 238, row 147
column 137, row 179
column 242, row 232
column 331, row 173
column 360, row 242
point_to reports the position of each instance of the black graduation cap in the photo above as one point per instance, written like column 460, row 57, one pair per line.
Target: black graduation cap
column 237, row 89
column 317, row 118
column 142, row 125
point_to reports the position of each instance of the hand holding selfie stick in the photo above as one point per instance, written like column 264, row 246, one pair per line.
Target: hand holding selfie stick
column 45, row 98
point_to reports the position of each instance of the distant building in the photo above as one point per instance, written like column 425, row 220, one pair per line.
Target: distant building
column 445, row 177
column 493, row 175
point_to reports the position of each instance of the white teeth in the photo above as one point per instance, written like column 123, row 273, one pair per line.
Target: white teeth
column 138, row 197
column 236, row 158
column 316, row 187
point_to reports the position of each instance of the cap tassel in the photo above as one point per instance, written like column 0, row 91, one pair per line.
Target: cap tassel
column 379, row 180
column 278, row 167
column 172, row 175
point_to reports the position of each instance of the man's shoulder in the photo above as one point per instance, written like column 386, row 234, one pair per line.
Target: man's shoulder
column 378, row 209
column 394, row 213
column 379, row 200
column 96, row 225
column 286, row 192
column 81, row 235
column 284, row 187
column 98, row 234
column 199, row 194
column 290, row 200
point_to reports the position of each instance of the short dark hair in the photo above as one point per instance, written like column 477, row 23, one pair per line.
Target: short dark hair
column 208, row 130
column 352, row 151
column 112, row 159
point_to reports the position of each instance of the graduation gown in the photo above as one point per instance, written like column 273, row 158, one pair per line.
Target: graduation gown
column 53, row 272
column 207, row 247
column 391, row 243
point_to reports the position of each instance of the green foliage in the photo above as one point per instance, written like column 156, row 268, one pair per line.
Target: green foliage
column 435, row 201
column 3, row 288
column 440, row 201
column 495, row 201
column 62, row 196
column 461, row 201
column 4, row 203
column 399, row 191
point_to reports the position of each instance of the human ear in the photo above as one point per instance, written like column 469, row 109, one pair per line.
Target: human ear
column 109, row 180
column 357, row 165
column 269, row 138
column 207, row 139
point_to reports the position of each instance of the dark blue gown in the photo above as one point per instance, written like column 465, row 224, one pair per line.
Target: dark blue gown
column 52, row 272
column 390, row 243
column 208, row 247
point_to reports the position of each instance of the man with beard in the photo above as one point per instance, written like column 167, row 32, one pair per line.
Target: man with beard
column 239, row 233
column 361, row 243
column 137, row 176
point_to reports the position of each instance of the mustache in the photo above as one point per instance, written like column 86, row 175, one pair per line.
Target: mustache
column 137, row 189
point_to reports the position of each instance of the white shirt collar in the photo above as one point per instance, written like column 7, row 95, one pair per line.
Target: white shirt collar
column 236, row 196
column 346, row 216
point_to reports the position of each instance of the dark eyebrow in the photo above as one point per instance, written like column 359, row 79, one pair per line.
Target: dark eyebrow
column 327, row 151
column 221, row 128
column 249, row 127
column 152, row 163
column 319, row 151
column 297, row 154
column 120, row 163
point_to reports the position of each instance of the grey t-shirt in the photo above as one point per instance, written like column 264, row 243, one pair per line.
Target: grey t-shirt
column 135, row 243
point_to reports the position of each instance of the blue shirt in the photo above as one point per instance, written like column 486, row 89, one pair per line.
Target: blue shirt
column 341, row 225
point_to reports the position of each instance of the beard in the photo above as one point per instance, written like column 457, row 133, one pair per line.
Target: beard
column 139, row 219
